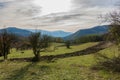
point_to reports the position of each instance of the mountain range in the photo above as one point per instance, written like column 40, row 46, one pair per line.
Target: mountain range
column 95, row 30
column 52, row 33
column 65, row 35
column 27, row 32
column 17, row 31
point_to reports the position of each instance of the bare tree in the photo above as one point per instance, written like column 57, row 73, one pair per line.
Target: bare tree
column 38, row 42
column 114, row 30
column 104, row 61
column 46, row 41
column 6, row 41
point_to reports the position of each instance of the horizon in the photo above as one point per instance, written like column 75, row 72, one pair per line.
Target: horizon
column 50, row 30
column 55, row 15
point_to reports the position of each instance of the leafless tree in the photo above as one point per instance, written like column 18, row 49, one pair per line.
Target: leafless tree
column 104, row 61
column 114, row 30
column 6, row 41
column 38, row 42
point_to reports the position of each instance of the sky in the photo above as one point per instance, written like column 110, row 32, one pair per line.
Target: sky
column 66, row 15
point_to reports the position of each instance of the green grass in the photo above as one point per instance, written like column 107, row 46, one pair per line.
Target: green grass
column 59, row 50
column 72, row 68
column 111, row 51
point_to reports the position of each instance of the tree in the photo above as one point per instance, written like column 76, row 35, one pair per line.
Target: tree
column 104, row 61
column 67, row 44
column 89, row 38
column 46, row 41
column 6, row 41
column 114, row 31
column 38, row 42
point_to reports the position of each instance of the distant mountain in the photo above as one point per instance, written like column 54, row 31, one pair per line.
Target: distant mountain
column 25, row 32
column 52, row 33
column 95, row 30
column 65, row 35
column 18, row 31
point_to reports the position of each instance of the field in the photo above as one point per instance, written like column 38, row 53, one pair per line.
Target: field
column 70, row 68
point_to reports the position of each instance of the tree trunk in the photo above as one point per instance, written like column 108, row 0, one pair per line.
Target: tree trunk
column 5, row 56
column 37, row 57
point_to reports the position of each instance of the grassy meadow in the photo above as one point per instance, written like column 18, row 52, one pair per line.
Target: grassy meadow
column 71, row 68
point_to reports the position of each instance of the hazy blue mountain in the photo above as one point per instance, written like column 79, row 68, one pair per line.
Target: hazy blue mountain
column 18, row 31
column 52, row 33
column 84, row 32
column 65, row 35
column 25, row 32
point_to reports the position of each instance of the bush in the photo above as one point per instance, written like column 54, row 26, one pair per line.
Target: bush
column 89, row 38
column 106, row 63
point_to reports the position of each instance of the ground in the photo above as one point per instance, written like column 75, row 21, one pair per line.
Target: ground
column 69, row 68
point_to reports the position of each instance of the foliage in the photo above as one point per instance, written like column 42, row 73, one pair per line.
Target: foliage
column 89, row 38
column 57, row 39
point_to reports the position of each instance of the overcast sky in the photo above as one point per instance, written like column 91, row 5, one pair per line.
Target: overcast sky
column 67, row 15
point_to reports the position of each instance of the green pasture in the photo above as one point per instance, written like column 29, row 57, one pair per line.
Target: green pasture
column 71, row 68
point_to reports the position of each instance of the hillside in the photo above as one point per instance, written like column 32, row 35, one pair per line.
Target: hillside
column 84, row 32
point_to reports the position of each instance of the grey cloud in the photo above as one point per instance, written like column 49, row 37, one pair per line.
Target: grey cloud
column 63, row 17
column 3, row 4
column 83, row 14
column 94, row 3
column 2, row 1
column 15, row 12
column 68, row 18
column 28, row 10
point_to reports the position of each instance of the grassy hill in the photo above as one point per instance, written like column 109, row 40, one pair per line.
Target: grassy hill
column 70, row 68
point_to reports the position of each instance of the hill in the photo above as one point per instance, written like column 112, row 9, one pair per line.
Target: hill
column 90, row 31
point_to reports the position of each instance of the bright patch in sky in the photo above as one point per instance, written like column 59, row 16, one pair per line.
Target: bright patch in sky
column 53, row 6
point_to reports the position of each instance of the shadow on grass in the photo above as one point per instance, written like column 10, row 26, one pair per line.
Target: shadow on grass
column 20, row 74
column 111, row 65
column 52, row 58
column 28, row 72
column 19, row 59
column 90, row 50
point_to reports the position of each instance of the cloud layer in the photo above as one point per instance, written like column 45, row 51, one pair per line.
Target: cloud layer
column 16, row 12
column 83, row 14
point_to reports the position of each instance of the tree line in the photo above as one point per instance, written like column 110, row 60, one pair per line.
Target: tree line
column 35, row 41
